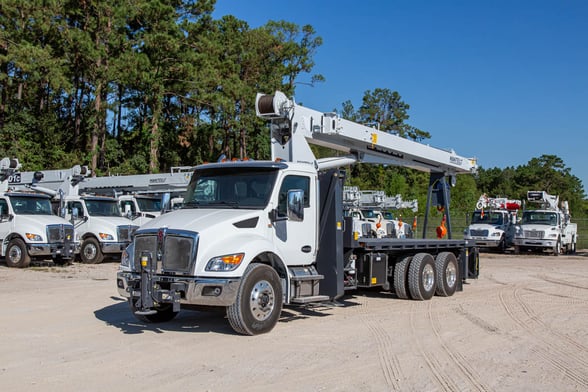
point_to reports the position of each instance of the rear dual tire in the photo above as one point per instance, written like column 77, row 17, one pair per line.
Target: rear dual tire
column 421, row 276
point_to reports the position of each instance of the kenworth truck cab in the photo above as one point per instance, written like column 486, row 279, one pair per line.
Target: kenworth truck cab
column 102, row 230
column 256, row 235
column 28, row 228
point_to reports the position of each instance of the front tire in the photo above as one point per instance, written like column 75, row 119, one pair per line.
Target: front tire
column 17, row 255
column 258, row 305
column 557, row 248
column 447, row 274
column 421, row 277
column 90, row 252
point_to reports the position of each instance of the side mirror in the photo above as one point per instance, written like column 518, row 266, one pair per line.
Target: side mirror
column 295, row 206
column 75, row 213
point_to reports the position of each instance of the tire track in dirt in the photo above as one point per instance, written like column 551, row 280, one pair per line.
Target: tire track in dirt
column 562, row 358
column 459, row 362
column 561, row 282
column 389, row 362
column 444, row 380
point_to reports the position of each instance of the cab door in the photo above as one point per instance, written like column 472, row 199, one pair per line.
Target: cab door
column 297, row 239
column 5, row 223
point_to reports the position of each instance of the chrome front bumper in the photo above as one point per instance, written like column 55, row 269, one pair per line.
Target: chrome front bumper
column 193, row 290
column 113, row 247
column 534, row 243
column 54, row 250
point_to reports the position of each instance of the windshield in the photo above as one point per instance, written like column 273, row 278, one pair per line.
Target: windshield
column 388, row 215
column 148, row 204
column 102, row 207
column 26, row 205
column 369, row 214
column 487, row 217
column 539, row 218
column 230, row 188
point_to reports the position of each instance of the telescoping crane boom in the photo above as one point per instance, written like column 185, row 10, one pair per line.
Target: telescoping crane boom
column 295, row 127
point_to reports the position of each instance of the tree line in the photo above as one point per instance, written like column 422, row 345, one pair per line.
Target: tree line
column 143, row 85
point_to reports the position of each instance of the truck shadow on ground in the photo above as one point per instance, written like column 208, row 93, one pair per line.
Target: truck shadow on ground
column 119, row 315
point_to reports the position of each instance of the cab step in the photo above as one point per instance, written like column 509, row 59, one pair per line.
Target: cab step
column 309, row 299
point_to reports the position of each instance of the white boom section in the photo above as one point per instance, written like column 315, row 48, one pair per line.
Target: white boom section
column 498, row 203
column 176, row 180
column 293, row 127
column 546, row 200
column 66, row 180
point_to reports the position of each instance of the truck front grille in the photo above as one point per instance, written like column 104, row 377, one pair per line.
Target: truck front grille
column 60, row 233
column 171, row 250
column 125, row 233
column 534, row 234
column 479, row 233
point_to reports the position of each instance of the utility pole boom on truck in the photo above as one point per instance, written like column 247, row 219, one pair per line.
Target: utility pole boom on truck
column 256, row 235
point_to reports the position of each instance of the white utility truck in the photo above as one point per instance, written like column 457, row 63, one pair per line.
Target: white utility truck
column 28, row 228
column 546, row 228
column 103, row 232
column 256, row 235
column 493, row 223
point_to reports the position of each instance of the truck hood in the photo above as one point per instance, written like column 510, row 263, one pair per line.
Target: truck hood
column 41, row 220
column 486, row 226
column 111, row 221
column 199, row 219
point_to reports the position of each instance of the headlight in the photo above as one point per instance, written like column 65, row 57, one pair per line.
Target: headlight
column 225, row 263
column 496, row 234
column 106, row 236
column 34, row 237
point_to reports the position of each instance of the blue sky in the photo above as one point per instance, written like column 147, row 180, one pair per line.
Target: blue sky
column 503, row 81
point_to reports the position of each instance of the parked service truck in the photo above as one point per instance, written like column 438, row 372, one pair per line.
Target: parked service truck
column 28, row 228
column 546, row 228
column 254, row 236
column 493, row 223
column 103, row 231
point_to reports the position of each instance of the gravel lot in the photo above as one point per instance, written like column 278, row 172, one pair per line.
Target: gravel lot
column 522, row 326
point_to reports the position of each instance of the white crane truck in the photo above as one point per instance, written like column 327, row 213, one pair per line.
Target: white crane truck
column 28, row 228
column 256, row 235
column 103, row 231
column 546, row 228
column 493, row 223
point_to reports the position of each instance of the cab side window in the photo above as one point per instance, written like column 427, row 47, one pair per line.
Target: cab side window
column 3, row 207
column 75, row 204
column 290, row 183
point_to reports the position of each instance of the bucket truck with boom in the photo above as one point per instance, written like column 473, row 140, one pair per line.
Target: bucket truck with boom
column 254, row 236
column 546, row 228
column 493, row 223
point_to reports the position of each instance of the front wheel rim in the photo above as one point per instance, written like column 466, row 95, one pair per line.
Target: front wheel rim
column 15, row 254
column 262, row 300
column 90, row 251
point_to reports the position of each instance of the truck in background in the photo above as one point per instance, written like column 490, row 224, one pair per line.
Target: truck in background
column 493, row 223
column 103, row 231
column 254, row 236
column 372, row 214
column 546, row 228
column 28, row 228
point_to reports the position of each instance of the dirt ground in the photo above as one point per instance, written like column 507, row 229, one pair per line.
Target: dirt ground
column 522, row 326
